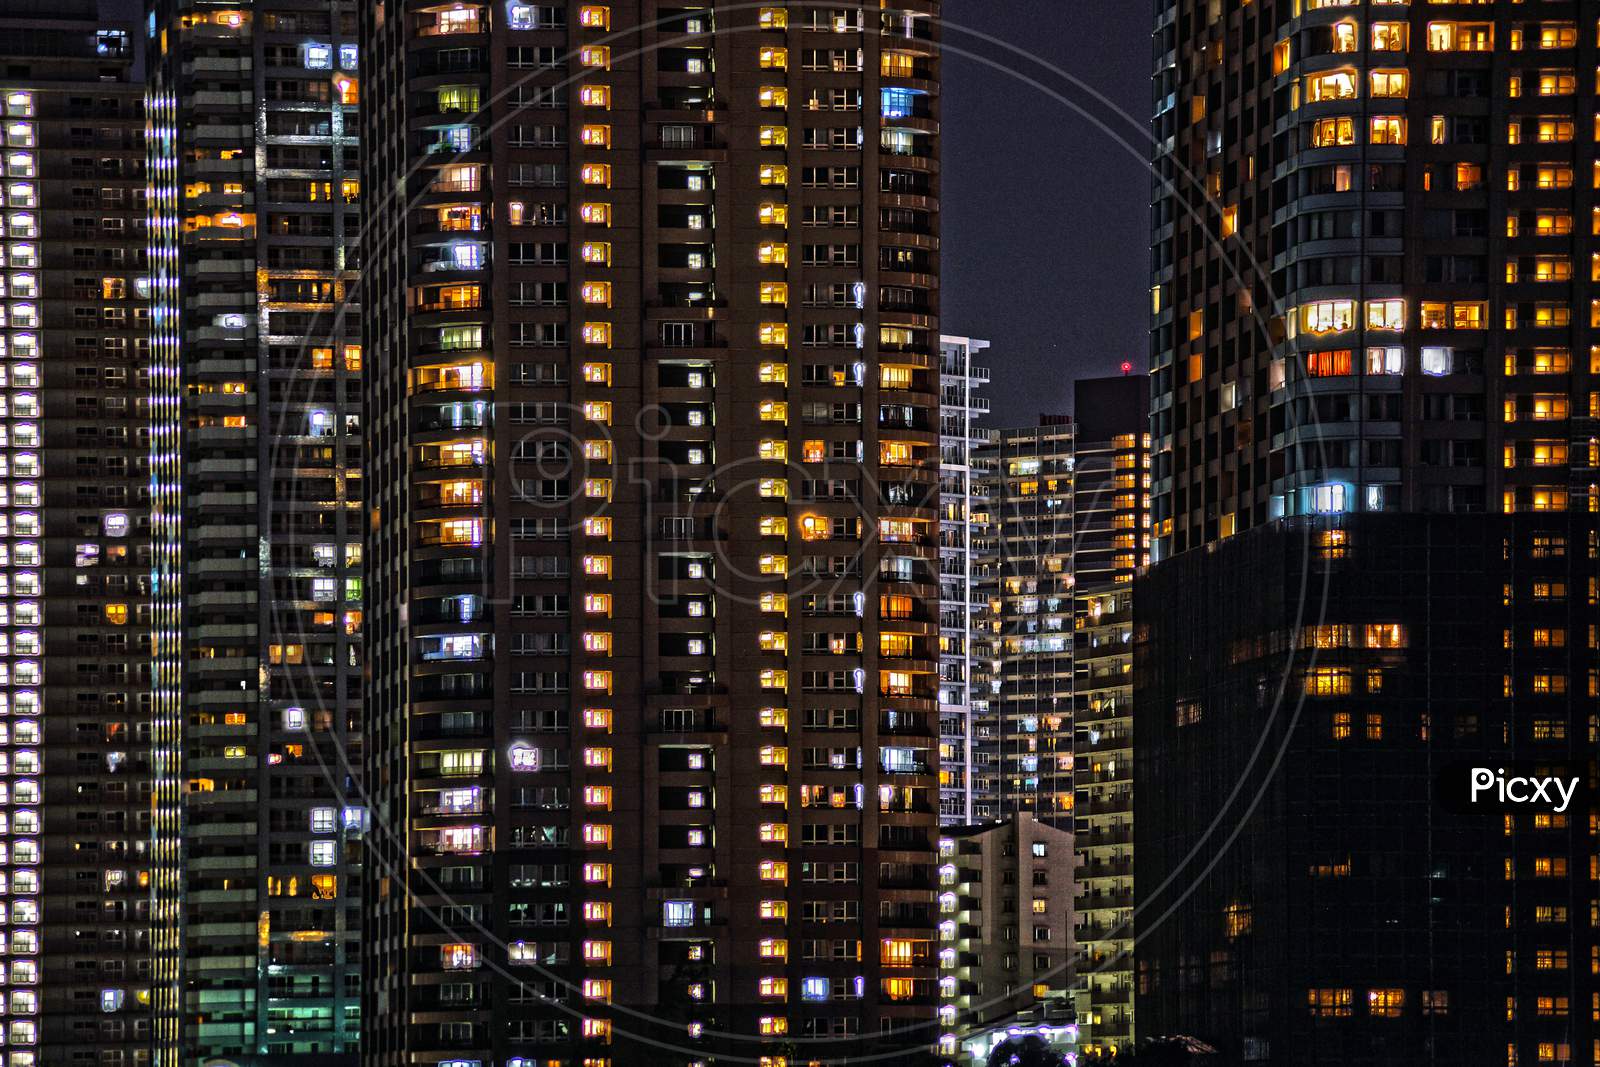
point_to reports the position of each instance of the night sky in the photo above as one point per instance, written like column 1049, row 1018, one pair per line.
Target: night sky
column 1046, row 216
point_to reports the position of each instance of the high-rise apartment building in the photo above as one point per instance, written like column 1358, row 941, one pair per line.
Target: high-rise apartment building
column 652, row 531
column 257, row 479
column 1029, row 475
column 1374, row 361
column 967, row 745
column 1111, row 522
column 74, row 618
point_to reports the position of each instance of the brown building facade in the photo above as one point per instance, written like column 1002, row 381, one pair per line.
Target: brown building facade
column 652, row 526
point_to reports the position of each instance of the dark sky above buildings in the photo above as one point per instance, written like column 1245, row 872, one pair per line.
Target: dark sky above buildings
column 1046, row 221
column 1046, row 215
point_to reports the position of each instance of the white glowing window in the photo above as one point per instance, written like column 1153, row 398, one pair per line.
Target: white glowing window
column 323, row 853
column 1328, row 499
column 322, row 821
column 294, row 718
column 318, row 56
column 111, row 999
column 524, row 757
column 20, row 134
column 349, row 56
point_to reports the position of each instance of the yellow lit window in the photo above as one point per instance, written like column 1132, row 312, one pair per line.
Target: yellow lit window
column 597, row 566
column 774, row 526
column 1386, row 314
column 595, row 214
column 1282, row 56
column 774, row 679
column 895, row 453
column 774, row 136
column 1328, row 681
column 774, row 833
column 597, row 643
column 774, row 987
column 775, row 450
column 1331, row 1003
column 597, row 603
column 595, row 55
column 773, row 252
column 1390, row 83
column 775, row 603
column 597, row 719
column 1332, row 85
column 597, row 526
column 597, row 989
column 597, row 293
column 774, row 373
column 774, row 333
column 597, row 253
column 597, row 681
column 774, row 174
column 595, row 96
column 773, row 58
column 774, row 293
column 597, row 333
column 773, row 563
column 774, row 411
column 597, row 951
column 775, row 96
column 1326, row 133
column 1388, row 129
column 774, row 871
column 1386, row 1003
column 773, row 214
column 773, row 18
column 774, row 794
column 594, row 17
column 596, row 174
column 1390, row 36
column 597, row 796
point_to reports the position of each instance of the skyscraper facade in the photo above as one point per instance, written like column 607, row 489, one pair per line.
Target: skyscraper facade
column 1374, row 461
column 257, row 482
column 74, row 617
column 652, row 531
column 1111, row 521
column 966, row 737
column 1029, row 475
